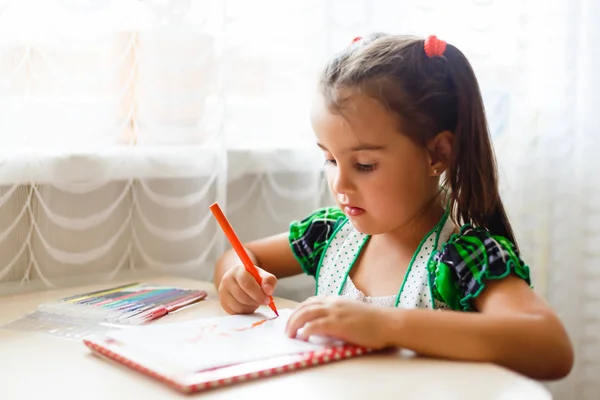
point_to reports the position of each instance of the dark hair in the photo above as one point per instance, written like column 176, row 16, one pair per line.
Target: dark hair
column 429, row 95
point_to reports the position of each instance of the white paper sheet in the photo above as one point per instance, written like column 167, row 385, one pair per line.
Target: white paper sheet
column 215, row 342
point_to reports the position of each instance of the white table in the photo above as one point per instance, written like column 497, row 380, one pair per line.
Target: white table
column 36, row 366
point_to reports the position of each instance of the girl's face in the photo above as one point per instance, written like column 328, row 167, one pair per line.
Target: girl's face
column 378, row 176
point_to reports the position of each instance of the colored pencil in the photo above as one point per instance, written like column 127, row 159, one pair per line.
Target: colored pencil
column 239, row 248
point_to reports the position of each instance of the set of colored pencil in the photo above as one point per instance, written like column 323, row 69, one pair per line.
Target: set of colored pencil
column 130, row 304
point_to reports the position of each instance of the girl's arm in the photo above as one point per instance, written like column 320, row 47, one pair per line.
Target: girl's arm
column 514, row 328
column 273, row 254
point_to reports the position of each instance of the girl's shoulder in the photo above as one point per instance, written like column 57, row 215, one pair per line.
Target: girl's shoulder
column 459, row 270
column 309, row 236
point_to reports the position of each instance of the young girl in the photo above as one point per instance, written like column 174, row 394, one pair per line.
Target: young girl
column 419, row 225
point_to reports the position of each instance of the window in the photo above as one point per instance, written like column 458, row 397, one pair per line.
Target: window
column 101, row 73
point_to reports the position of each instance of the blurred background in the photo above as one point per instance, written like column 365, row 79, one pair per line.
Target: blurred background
column 122, row 121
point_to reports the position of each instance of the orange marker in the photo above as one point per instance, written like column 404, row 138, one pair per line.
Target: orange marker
column 239, row 248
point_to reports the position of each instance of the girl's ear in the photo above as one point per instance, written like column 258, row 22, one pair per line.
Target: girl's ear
column 440, row 152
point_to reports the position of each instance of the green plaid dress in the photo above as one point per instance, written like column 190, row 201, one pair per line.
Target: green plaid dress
column 448, row 269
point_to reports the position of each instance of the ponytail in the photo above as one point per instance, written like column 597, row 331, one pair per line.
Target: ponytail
column 472, row 178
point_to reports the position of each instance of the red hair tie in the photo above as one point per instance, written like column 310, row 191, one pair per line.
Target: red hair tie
column 434, row 47
column 356, row 39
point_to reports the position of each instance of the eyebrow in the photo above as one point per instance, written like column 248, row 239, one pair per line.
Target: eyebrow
column 360, row 147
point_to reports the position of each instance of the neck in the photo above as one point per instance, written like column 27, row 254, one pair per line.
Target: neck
column 409, row 235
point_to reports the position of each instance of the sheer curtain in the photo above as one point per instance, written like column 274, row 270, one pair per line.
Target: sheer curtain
column 122, row 121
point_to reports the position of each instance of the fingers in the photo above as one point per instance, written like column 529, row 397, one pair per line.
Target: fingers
column 268, row 282
column 241, row 297
column 239, row 293
column 320, row 327
column 249, row 286
column 227, row 309
column 305, row 316
column 232, row 306
column 317, row 316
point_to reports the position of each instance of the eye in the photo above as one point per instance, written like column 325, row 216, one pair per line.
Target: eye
column 330, row 162
column 365, row 167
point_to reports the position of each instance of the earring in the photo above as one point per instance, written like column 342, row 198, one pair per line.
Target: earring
column 436, row 171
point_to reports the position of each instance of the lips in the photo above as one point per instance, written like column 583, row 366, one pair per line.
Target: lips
column 352, row 211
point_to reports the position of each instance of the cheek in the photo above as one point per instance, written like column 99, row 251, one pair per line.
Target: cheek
column 406, row 183
column 329, row 176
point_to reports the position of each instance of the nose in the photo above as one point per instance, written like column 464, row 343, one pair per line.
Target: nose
column 341, row 181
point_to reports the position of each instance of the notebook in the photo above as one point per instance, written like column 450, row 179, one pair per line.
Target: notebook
column 210, row 352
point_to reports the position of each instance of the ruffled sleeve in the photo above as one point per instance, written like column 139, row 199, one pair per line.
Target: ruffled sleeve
column 459, row 271
column 309, row 237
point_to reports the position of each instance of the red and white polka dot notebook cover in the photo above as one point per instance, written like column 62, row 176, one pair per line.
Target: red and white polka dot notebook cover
column 132, row 357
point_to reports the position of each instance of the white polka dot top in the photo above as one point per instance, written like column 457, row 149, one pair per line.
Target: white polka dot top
column 344, row 248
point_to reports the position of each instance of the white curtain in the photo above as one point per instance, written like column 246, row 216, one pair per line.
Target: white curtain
column 121, row 121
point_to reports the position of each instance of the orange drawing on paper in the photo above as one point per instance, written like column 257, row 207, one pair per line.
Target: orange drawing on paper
column 254, row 325
column 211, row 330
column 207, row 330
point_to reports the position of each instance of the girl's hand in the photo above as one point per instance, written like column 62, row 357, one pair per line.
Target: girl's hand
column 239, row 293
column 340, row 318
